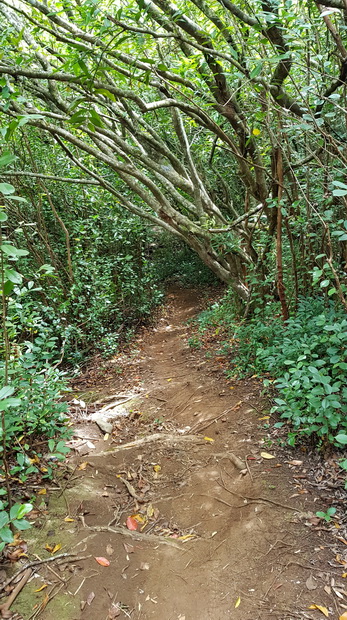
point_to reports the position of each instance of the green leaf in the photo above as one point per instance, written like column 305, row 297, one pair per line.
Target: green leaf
column 256, row 71
column 9, row 402
column 341, row 438
column 6, row 391
column 6, row 535
column 13, row 276
column 340, row 192
column 324, row 283
column 4, row 518
column 7, row 188
column 106, row 93
column 7, row 158
column 22, row 524
column 3, row 216
column 8, row 287
column 10, row 250
column 339, row 184
column 18, row 511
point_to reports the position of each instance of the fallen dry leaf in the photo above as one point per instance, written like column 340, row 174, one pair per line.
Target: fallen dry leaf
column 68, row 520
column 321, row 608
column 56, row 548
column 42, row 492
column 109, row 550
column 42, row 588
column 83, row 465
column 128, row 548
column 296, row 463
column 144, row 566
column 114, row 611
column 266, row 455
column 344, row 616
column 90, row 598
column 102, row 561
column 238, row 602
column 311, row 583
column 131, row 524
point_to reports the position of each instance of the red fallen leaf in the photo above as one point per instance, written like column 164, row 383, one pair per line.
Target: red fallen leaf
column 131, row 523
column 103, row 561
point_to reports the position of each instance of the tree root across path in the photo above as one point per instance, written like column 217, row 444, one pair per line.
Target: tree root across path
column 165, row 437
column 139, row 536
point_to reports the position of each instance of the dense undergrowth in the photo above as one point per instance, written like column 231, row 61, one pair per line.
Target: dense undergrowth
column 302, row 362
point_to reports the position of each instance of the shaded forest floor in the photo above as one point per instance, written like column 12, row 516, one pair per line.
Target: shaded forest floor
column 181, row 529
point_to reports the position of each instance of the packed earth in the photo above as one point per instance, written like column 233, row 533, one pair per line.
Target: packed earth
column 176, row 504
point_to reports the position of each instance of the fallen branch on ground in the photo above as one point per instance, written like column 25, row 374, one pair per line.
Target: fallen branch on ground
column 239, row 464
column 166, row 437
column 68, row 557
column 264, row 500
column 208, row 423
column 140, row 536
column 5, row 607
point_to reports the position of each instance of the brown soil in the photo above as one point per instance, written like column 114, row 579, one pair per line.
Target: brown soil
column 215, row 543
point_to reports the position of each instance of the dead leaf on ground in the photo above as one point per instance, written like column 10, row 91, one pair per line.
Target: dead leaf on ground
column 344, row 616
column 238, row 602
column 296, row 463
column 41, row 588
column 128, row 548
column 144, row 566
column 102, row 561
column 320, row 608
column 83, row 465
column 132, row 524
column 90, row 598
column 56, row 548
column 311, row 583
column 266, row 455
column 114, row 611
column 109, row 550
column 52, row 548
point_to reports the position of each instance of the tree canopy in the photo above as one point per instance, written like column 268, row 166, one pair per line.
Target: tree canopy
column 224, row 124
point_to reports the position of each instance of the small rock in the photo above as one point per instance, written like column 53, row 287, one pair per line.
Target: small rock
column 105, row 427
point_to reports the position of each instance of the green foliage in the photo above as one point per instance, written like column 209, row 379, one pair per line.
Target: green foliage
column 39, row 413
column 175, row 262
column 13, row 518
column 305, row 359
column 327, row 516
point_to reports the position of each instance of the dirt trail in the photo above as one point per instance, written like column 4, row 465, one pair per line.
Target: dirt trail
column 216, row 543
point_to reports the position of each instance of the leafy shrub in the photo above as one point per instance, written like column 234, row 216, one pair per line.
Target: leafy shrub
column 176, row 262
column 305, row 357
column 38, row 413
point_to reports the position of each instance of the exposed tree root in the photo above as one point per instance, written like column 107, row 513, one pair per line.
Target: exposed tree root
column 165, row 437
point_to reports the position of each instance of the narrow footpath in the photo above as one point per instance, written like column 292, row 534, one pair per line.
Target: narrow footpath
column 183, row 511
